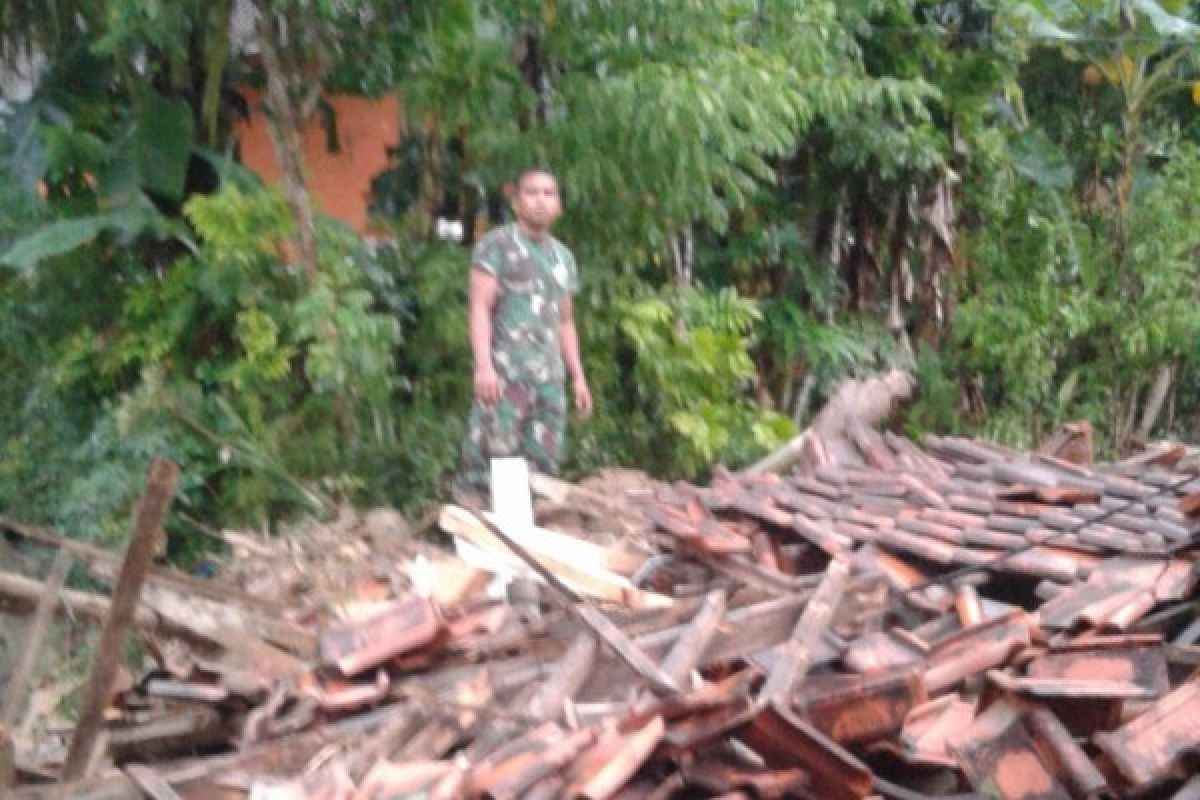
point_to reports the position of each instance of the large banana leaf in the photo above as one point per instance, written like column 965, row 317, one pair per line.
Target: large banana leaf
column 66, row 235
column 1166, row 23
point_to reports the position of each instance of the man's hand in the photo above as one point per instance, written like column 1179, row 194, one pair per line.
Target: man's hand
column 487, row 385
column 583, row 397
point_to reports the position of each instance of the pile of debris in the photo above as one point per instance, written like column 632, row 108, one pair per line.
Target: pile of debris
column 885, row 620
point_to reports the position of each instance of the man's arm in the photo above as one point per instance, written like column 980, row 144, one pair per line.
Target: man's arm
column 568, row 340
column 481, row 301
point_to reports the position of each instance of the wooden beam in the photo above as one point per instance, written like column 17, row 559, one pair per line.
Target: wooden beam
column 147, row 530
column 24, row 592
column 795, row 655
column 695, row 638
column 103, row 564
column 197, row 621
column 225, row 623
column 779, row 460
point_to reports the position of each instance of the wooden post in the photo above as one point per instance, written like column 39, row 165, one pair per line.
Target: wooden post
column 8, row 770
column 147, row 528
column 14, row 700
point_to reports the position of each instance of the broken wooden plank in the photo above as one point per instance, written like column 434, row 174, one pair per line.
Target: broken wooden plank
column 150, row 782
column 629, row 652
column 26, row 592
column 568, row 675
column 184, row 690
column 796, row 654
column 15, row 696
column 446, row 581
column 197, row 618
column 198, row 777
column 181, row 731
column 575, row 561
column 105, row 563
column 147, row 531
column 743, row 632
column 695, row 638
column 792, row 451
column 454, row 718
column 221, row 622
column 600, row 624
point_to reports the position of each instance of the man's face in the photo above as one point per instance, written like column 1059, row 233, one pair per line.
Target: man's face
column 536, row 202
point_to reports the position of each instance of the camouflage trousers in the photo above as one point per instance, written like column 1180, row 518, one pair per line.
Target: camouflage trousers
column 529, row 419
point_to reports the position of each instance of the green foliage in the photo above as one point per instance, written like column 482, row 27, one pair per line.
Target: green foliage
column 427, row 293
column 747, row 188
column 67, row 235
column 656, row 115
column 936, row 408
column 266, row 389
column 1059, row 327
column 693, row 373
column 101, row 169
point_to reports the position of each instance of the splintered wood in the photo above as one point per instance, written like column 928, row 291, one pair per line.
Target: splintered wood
column 886, row 619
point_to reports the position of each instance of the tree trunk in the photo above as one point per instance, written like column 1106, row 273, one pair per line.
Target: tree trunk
column 682, row 254
column 286, row 117
column 1155, row 400
column 1126, row 415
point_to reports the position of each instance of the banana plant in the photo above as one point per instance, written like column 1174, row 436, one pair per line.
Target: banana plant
column 1143, row 49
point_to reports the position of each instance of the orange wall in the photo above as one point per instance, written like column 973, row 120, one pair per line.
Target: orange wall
column 340, row 182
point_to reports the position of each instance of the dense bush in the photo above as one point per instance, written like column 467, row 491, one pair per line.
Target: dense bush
column 764, row 198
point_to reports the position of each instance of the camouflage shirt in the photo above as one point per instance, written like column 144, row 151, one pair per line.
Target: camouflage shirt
column 534, row 277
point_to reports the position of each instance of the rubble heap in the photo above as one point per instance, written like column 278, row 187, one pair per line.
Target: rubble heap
column 886, row 620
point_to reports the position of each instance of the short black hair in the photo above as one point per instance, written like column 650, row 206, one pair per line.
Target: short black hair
column 532, row 169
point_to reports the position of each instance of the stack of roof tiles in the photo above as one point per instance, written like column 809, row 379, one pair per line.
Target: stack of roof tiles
column 951, row 620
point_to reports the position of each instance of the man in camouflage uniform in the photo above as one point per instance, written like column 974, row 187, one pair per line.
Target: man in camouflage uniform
column 523, row 338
